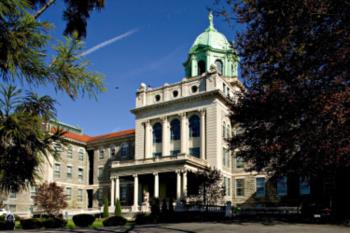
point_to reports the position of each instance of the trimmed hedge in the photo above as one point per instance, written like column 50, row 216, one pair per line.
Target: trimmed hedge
column 83, row 220
column 54, row 222
column 6, row 225
column 114, row 221
column 31, row 223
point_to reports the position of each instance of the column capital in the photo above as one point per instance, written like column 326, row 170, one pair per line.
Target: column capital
column 202, row 111
column 178, row 171
column 164, row 118
column 112, row 178
column 183, row 114
column 155, row 173
column 184, row 171
column 146, row 123
column 135, row 175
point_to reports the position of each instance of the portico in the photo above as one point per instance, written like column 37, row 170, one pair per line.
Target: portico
column 166, row 179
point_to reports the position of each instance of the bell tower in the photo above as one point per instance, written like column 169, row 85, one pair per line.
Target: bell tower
column 211, row 47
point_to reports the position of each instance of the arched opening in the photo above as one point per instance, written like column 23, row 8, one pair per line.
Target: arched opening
column 157, row 133
column 201, row 67
column 175, row 129
column 219, row 66
column 194, row 126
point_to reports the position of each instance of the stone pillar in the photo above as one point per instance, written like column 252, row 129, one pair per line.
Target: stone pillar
column 178, row 184
column 156, row 185
column 117, row 184
column 112, row 191
column 184, row 134
column 135, row 207
column 148, row 146
column 165, row 137
column 202, row 129
column 184, row 184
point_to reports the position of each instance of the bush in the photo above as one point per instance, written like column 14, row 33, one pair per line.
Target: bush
column 32, row 223
column 83, row 220
column 114, row 221
column 145, row 219
column 6, row 225
column 155, row 210
column 54, row 222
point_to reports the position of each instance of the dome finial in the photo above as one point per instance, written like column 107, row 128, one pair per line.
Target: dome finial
column 211, row 22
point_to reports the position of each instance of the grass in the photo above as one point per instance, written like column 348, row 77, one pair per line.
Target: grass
column 97, row 224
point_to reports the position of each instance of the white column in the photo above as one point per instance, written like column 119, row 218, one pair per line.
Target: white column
column 156, row 185
column 112, row 191
column 178, row 184
column 148, row 150
column 165, row 137
column 184, row 134
column 117, row 184
column 202, row 129
column 136, row 194
column 184, row 184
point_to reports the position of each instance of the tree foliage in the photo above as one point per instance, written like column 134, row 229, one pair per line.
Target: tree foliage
column 294, row 116
column 24, row 143
column 206, row 186
column 50, row 198
column 23, row 55
column 118, row 208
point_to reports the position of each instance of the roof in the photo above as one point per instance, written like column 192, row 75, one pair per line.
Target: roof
column 86, row 138
column 211, row 37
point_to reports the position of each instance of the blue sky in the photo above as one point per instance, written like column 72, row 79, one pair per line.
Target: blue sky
column 160, row 34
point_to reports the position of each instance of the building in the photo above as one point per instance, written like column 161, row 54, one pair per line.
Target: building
column 179, row 127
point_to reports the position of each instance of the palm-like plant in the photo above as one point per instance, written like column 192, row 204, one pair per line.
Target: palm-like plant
column 24, row 140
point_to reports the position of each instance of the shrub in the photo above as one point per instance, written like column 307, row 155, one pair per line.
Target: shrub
column 145, row 219
column 118, row 208
column 54, row 222
column 31, row 223
column 83, row 220
column 6, row 225
column 114, row 221
column 155, row 207
column 105, row 208
column 164, row 206
column 2, row 217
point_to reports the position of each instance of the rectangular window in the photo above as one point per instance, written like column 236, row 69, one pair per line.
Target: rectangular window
column 282, row 186
column 101, row 154
column 239, row 162
column 81, row 154
column 239, row 187
column 69, row 172
column 260, row 187
column 195, row 151
column 174, row 152
column 80, row 195
column 57, row 170
column 124, row 150
column 100, row 172
column 12, row 208
column 69, row 193
column 80, row 175
column 304, row 186
column 12, row 195
column 32, row 191
column 70, row 152
column 157, row 154
column 227, row 185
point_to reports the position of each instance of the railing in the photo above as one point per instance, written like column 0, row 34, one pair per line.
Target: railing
column 158, row 160
column 282, row 210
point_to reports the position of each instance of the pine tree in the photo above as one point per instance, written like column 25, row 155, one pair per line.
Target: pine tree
column 105, row 208
column 118, row 208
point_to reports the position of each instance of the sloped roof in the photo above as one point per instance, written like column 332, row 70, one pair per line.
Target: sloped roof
column 86, row 138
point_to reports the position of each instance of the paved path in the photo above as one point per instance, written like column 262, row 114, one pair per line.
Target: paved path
column 212, row 228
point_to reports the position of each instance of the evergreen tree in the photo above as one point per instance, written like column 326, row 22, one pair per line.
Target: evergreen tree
column 118, row 208
column 105, row 208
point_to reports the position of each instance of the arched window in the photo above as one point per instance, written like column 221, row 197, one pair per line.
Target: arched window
column 201, row 67
column 175, row 129
column 228, row 131
column 157, row 133
column 219, row 66
column 194, row 127
column 124, row 150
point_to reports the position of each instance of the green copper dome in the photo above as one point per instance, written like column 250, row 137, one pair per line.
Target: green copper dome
column 212, row 38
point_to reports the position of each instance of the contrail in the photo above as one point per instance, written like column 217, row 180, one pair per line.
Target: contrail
column 108, row 42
